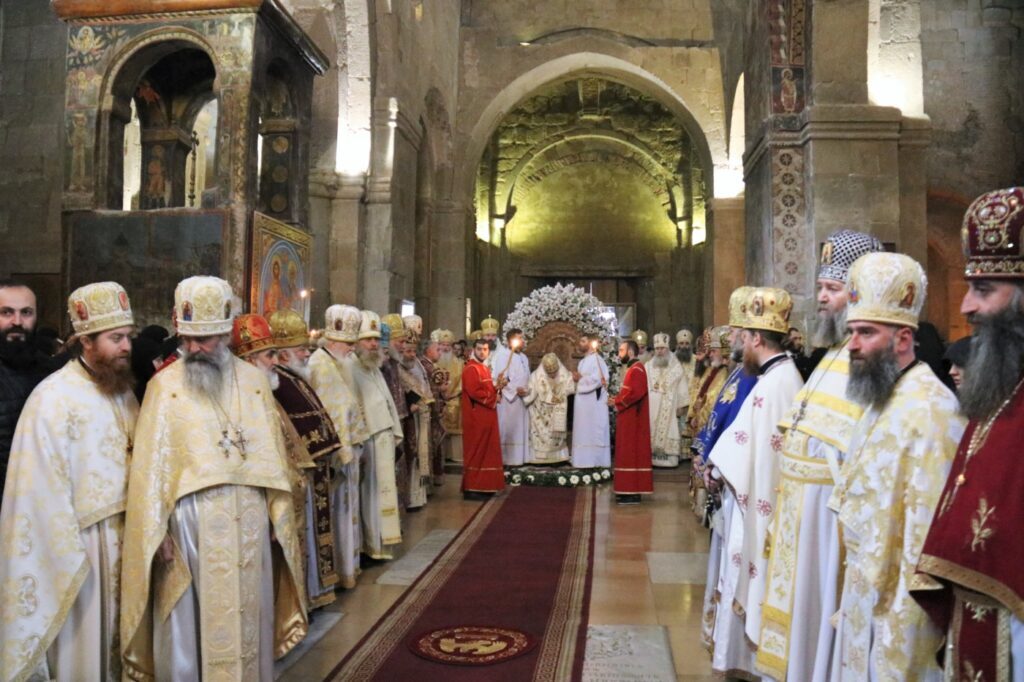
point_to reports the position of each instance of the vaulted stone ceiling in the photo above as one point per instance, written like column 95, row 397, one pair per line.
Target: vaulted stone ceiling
column 590, row 155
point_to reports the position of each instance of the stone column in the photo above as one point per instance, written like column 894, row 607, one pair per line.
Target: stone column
column 453, row 225
column 723, row 259
column 336, row 211
column 376, row 279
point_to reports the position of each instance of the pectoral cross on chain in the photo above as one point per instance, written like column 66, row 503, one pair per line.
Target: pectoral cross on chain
column 240, row 441
column 225, row 443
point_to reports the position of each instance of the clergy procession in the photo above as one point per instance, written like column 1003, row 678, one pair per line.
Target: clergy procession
column 186, row 524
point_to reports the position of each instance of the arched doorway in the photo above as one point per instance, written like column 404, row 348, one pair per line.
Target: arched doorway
column 593, row 181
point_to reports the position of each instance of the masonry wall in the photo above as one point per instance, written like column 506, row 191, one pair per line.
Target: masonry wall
column 32, row 45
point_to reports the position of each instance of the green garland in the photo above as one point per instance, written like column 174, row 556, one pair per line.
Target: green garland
column 559, row 477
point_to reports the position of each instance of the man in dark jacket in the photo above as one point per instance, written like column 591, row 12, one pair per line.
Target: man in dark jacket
column 24, row 361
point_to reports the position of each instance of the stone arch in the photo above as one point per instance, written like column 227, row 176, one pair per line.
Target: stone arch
column 547, row 151
column 128, row 66
column 574, row 65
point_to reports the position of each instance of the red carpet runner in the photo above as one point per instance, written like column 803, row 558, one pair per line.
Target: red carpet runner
column 523, row 562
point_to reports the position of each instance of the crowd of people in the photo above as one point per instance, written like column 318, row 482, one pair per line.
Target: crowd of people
column 175, row 507
column 862, row 522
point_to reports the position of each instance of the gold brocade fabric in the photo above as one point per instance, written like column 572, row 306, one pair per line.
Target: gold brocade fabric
column 451, row 418
column 67, row 471
column 327, row 377
column 819, row 412
column 897, row 463
column 664, row 384
column 177, row 453
column 702, row 405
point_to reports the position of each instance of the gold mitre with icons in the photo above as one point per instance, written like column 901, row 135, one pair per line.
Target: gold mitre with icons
column 661, row 340
column 489, row 326
column 768, row 309
column 684, row 336
column 888, row 288
column 204, row 306
column 289, row 328
column 475, row 335
column 413, row 326
column 395, row 324
column 442, row 336
column 720, row 337
column 639, row 336
column 99, row 307
column 342, row 323
column 739, row 300
column 369, row 326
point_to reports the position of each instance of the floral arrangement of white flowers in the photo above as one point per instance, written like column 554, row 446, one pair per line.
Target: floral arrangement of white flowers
column 560, row 303
column 569, row 478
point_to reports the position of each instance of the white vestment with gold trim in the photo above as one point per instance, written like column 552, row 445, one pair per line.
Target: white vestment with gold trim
column 667, row 392
column 61, row 528
column 804, row 561
column 327, row 379
column 548, row 405
column 747, row 455
column 899, row 458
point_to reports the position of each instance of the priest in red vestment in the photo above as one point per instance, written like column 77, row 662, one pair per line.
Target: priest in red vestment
column 482, row 470
column 633, row 474
column 970, row 580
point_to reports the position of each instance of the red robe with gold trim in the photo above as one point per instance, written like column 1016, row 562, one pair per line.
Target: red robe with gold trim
column 482, row 470
column 633, row 473
column 970, row 578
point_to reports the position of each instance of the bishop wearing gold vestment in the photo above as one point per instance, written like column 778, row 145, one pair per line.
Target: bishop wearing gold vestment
column 212, row 585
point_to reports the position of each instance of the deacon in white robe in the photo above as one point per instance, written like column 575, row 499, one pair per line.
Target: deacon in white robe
column 746, row 457
column 61, row 529
column 328, row 377
column 550, row 386
column 378, row 493
column 591, row 433
column 513, row 418
column 665, row 387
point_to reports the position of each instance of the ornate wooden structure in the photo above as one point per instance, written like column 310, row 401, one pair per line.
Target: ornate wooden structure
column 560, row 338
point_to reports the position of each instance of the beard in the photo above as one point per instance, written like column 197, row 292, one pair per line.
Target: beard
column 750, row 364
column 299, row 367
column 684, row 354
column 831, row 328
column 700, row 366
column 873, row 377
column 446, row 357
column 493, row 343
column 113, row 375
column 995, row 362
column 660, row 361
column 18, row 353
column 370, row 360
column 205, row 372
column 407, row 361
column 274, row 378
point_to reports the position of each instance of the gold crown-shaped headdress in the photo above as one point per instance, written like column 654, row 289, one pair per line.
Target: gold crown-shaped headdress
column 888, row 288
column 99, row 307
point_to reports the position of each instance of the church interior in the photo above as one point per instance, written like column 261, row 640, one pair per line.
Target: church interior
column 445, row 158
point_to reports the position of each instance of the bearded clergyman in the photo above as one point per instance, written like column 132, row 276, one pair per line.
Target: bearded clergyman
column 449, row 375
column 970, row 580
column 334, row 387
column 378, row 493
column 313, row 427
column 209, row 506
column 63, row 512
column 666, row 389
column 684, row 354
column 889, row 486
column 415, row 383
column 805, row 562
column 550, row 386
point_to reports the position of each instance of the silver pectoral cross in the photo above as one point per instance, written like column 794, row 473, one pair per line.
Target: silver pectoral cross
column 225, row 443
